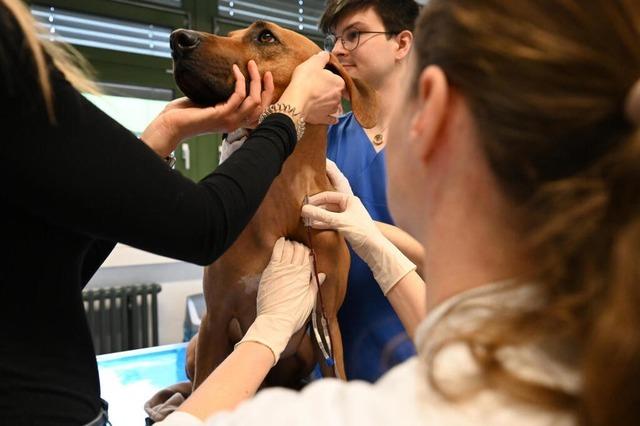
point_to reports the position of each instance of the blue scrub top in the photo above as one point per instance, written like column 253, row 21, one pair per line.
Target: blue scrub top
column 373, row 336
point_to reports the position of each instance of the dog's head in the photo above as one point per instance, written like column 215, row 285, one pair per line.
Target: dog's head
column 202, row 64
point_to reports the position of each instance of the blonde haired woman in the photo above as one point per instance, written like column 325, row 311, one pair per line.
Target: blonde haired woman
column 75, row 182
column 514, row 157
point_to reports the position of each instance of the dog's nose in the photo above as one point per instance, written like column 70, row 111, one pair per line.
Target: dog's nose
column 183, row 41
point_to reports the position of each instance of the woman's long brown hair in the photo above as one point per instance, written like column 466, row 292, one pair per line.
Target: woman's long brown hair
column 546, row 81
column 74, row 67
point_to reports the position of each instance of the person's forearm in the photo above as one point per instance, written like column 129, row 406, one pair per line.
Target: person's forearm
column 243, row 180
column 408, row 245
column 408, row 299
column 234, row 381
column 397, row 277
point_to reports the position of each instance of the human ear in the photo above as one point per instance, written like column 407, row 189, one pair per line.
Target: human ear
column 432, row 101
column 404, row 39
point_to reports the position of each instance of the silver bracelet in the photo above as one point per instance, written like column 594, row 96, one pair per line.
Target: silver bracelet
column 298, row 118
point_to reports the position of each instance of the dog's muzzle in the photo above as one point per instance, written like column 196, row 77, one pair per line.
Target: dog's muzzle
column 183, row 42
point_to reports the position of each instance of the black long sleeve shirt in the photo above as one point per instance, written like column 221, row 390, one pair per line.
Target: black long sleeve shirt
column 69, row 191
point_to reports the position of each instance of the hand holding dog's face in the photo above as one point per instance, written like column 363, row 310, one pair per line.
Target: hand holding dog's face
column 203, row 64
column 182, row 118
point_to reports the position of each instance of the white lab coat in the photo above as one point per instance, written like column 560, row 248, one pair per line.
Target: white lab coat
column 404, row 396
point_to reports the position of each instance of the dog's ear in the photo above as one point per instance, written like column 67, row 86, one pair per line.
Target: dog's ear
column 364, row 100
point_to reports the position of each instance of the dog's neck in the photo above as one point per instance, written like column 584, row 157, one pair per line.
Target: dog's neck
column 303, row 173
column 312, row 148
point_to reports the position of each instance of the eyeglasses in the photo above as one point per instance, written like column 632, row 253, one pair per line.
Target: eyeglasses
column 350, row 39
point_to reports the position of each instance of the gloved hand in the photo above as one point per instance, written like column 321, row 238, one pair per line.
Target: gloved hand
column 337, row 179
column 286, row 296
column 346, row 214
column 232, row 143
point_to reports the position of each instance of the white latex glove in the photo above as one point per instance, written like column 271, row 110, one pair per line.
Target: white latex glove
column 232, row 143
column 337, row 179
column 286, row 296
column 346, row 214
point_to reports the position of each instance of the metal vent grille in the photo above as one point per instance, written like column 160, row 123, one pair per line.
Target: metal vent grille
column 104, row 33
column 300, row 15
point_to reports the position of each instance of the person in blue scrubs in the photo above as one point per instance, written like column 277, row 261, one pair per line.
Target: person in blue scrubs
column 372, row 40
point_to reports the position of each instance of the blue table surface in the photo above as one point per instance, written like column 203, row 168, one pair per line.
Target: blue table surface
column 128, row 379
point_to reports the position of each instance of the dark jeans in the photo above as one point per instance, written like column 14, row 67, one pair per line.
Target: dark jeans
column 103, row 416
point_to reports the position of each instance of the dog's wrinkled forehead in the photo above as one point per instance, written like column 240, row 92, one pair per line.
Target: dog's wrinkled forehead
column 274, row 49
column 271, row 39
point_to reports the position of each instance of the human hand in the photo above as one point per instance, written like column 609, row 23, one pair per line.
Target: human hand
column 346, row 214
column 182, row 119
column 315, row 91
column 337, row 179
column 286, row 296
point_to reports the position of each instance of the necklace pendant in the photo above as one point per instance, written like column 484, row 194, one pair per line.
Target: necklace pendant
column 377, row 139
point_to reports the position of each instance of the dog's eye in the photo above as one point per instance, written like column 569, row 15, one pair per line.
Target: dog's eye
column 266, row 37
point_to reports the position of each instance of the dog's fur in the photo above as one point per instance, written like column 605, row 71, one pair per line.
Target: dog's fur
column 203, row 72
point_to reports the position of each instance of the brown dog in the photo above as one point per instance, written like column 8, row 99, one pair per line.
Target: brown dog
column 203, row 72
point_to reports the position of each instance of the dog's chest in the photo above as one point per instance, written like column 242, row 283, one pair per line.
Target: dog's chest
column 248, row 284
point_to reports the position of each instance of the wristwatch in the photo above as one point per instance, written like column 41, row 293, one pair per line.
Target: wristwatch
column 170, row 160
